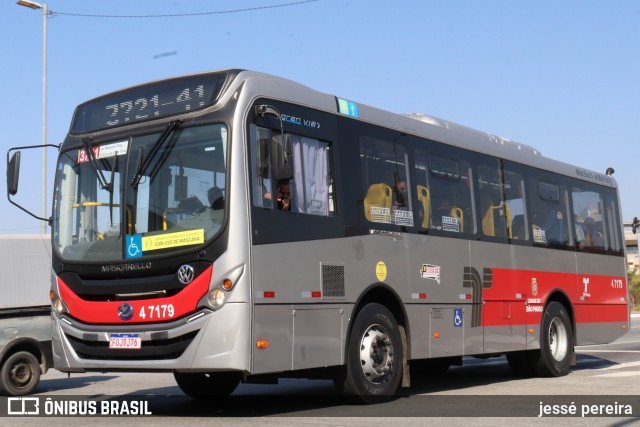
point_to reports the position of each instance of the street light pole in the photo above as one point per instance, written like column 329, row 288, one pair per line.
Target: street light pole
column 45, row 13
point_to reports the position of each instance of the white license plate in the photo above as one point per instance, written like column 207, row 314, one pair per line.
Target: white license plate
column 125, row 341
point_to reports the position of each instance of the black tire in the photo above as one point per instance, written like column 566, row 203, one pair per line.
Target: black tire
column 207, row 385
column 556, row 342
column 20, row 374
column 556, row 347
column 374, row 356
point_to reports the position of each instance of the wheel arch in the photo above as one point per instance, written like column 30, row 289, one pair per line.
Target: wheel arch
column 30, row 345
column 559, row 296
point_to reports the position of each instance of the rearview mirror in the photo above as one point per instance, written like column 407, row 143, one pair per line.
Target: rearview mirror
column 13, row 173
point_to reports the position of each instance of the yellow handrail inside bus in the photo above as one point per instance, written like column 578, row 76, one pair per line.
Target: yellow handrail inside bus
column 115, row 205
column 425, row 198
column 457, row 213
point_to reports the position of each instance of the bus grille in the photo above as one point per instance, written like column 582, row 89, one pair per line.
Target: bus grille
column 161, row 349
column 332, row 281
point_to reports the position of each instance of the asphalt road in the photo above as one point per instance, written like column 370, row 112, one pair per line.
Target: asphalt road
column 604, row 375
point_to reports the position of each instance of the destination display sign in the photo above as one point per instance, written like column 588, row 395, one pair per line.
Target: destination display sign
column 147, row 102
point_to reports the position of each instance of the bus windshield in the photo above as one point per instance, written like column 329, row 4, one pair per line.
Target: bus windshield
column 109, row 208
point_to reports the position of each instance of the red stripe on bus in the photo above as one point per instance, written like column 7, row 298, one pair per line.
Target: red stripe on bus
column 144, row 311
column 518, row 297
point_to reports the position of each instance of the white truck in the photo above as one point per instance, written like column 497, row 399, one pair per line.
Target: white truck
column 25, row 312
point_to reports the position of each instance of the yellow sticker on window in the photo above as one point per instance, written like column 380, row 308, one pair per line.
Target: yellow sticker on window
column 172, row 240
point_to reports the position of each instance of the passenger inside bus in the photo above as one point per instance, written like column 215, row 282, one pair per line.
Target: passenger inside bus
column 400, row 195
column 594, row 230
column 283, row 195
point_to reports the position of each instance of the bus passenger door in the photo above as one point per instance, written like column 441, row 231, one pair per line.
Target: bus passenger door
column 494, row 261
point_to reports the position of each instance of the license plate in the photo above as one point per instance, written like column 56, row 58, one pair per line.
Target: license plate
column 125, row 341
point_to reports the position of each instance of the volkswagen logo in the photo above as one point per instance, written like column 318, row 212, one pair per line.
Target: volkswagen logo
column 186, row 274
column 125, row 311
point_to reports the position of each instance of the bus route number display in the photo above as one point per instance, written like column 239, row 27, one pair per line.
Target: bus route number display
column 148, row 102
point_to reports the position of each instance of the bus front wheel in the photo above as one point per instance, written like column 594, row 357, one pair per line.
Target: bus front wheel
column 374, row 356
column 207, row 385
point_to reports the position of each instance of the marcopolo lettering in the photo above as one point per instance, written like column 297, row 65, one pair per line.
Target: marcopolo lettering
column 123, row 268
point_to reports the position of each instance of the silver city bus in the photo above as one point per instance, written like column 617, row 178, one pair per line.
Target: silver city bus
column 234, row 226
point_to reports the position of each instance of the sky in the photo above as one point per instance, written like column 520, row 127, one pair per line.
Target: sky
column 561, row 76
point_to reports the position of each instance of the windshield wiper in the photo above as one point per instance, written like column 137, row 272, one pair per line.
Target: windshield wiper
column 88, row 148
column 113, row 174
column 142, row 167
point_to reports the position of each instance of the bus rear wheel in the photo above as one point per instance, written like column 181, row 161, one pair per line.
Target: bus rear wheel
column 556, row 347
column 556, row 342
column 202, row 385
column 374, row 356
column 20, row 374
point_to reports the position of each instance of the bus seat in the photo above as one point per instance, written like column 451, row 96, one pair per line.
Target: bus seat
column 425, row 199
column 488, row 220
column 456, row 212
column 378, row 195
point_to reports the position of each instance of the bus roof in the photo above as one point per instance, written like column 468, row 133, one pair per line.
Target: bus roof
column 257, row 84
column 418, row 124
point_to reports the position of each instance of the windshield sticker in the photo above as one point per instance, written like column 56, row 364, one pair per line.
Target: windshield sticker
column 450, row 223
column 379, row 214
column 134, row 246
column 347, row 108
column 105, row 151
column 539, row 236
column 402, row 217
column 429, row 271
column 172, row 240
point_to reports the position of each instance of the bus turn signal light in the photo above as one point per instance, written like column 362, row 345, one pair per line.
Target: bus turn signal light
column 436, row 335
column 262, row 344
column 227, row 284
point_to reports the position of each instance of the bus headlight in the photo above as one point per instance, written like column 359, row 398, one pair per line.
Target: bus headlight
column 217, row 298
column 58, row 306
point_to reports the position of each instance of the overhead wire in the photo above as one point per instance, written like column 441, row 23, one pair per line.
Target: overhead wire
column 173, row 15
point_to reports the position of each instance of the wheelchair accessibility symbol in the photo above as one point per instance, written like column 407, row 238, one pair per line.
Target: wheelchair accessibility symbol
column 134, row 246
column 457, row 317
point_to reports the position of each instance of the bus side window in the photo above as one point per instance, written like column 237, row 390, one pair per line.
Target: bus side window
column 385, row 181
column 550, row 223
column 589, row 217
column 292, row 174
column 451, row 194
